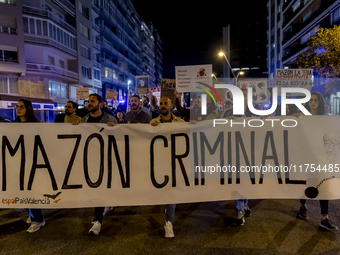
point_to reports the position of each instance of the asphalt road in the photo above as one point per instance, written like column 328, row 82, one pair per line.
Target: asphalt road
column 200, row 228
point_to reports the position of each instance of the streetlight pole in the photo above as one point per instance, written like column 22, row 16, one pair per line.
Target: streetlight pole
column 237, row 77
column 222, row 54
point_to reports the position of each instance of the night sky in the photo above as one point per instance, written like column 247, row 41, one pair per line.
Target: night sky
column 191, row 31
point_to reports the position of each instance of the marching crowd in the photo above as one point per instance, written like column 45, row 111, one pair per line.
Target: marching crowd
column 148, row 111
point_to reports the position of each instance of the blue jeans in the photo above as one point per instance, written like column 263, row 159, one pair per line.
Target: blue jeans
column 170, row 213
column 241, row 204
column 36, row 215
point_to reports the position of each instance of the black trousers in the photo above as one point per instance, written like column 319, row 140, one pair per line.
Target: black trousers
column 98, row 214
column 323, row 205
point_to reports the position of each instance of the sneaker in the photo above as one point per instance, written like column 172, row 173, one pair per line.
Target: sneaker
column 303, row 213
column 169, row 232
column 240, row 218
column 326, row 224
column 247, row 212
column 28, row 220
column 107, row 210
column 35, row 226
column 95, row 228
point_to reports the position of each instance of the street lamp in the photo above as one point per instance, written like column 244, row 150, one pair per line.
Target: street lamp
column 222, row 54
column 213, row 75
column 239, row 73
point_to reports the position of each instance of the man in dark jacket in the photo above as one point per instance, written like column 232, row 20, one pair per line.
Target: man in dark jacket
column 97, row 116
column 83, row 111
column 190, row 114
column 136, row 115
column 69, row 115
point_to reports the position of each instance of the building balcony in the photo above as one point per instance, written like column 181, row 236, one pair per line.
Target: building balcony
column 97, row 65
column 8, row 30
column 289, row 52
column 67, row 6
column 105, row 44
column 104, row 13
column 95, row 8
column 96, row 46
column 50, row 42
column 147, row 50
column 49, row 69
column 11, row 2
column 114, row 81
column 97, row 83
column 297, row 27
column 105, row 30
column 293, row 15
column 47, row 14
column 109, row 63
column 96, row 27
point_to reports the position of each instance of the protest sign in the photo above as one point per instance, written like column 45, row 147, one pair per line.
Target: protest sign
column 82, row 93
column 111, row 94
column 186, row 76
column 142, row 84
column 168, row 87
column 260, row 89
column 294, row 78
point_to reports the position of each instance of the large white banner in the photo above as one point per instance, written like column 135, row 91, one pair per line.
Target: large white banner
column 65, row 166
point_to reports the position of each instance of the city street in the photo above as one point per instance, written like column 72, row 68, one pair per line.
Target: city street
column 200, row 228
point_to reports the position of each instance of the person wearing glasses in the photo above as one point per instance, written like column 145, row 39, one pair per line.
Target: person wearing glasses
column 25, row 113
column 69, row 115
column 316, row 106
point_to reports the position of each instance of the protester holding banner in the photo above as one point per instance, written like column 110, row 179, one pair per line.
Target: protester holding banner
column 25, row 113
column 316, row 106
column 68, row 116
column 242, row 207
column 97, row 116
column 166, row 117
column 136, row 115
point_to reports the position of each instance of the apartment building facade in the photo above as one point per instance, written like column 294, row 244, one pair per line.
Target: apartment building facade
column 48, row 48
column 291, row 23
column 148, row 53
column 54, row 54
column 12, row 47
column 158, row 54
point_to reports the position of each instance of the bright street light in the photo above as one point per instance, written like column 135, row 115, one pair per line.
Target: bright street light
column 222, row 54
column 213, row 75
column 239, row 73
